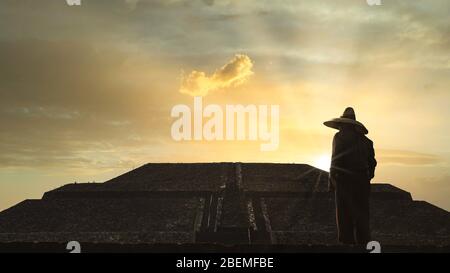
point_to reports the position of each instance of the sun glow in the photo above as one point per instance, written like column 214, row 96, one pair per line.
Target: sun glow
column 323, row 162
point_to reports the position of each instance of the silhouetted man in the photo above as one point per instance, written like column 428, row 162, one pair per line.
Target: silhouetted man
column 352, row 167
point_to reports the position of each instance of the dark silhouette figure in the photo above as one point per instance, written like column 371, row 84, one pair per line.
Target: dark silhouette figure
column 352, row 167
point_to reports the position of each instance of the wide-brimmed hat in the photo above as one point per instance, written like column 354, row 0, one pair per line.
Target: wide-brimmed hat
column 348, row 117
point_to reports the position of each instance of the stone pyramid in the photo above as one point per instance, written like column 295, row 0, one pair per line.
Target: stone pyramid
column 261, row 205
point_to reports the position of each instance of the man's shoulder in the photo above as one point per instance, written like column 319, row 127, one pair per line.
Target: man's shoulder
column 338, row 134
column 368, row 140
column 343, row 135
column 337, row 137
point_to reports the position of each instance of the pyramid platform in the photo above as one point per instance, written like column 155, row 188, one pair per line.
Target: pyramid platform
column 256, row 207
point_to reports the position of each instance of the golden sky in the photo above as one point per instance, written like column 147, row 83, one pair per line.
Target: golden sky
column 86, row 92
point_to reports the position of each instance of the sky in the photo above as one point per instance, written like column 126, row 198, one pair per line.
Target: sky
column 87, row 91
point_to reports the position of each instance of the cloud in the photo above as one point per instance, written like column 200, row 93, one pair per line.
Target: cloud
column 407, row 158
column 232, row 74
column 51, row 112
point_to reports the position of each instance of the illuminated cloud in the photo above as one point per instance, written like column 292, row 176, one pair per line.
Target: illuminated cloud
column 400, row 157
column 232, row 74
